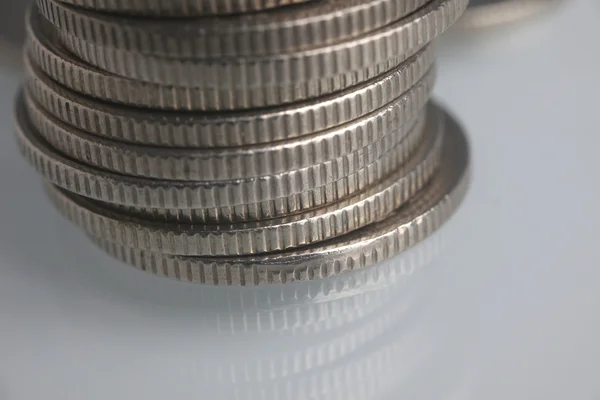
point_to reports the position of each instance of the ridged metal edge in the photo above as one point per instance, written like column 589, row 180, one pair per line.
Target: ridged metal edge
column 201, row 129
column 422, row 216
column 187, row 165
column 261, row 197
column 182, row 8
column 280, row 30
column 263, row 236
column 311, row 190
column 374, row 135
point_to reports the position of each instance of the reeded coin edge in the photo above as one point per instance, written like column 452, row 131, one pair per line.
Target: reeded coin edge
column 262, row 236
column 185, row 8
column 411, row 224
column 285, row 78
column 217, row 129
column 182, row 165
column 261, row 197
column 281, row 30
column 375, row 133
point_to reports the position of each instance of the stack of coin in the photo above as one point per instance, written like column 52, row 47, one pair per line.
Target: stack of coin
column 242, row 141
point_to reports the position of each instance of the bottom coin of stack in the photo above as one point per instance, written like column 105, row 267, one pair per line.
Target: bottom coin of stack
column 221, row 192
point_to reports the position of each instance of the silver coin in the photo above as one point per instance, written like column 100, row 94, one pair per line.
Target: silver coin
column 182, row 129
column 253, row 198
column 281, row 30
column 313, row 192
column 181, row 8
column 287, row 77
column 422, row 216
column 351, row 147
column 372, row 135
column 488, row 13
column 264, row 236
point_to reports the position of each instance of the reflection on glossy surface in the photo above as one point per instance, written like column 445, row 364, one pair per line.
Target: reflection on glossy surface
column 507, row 308
column 348, row 343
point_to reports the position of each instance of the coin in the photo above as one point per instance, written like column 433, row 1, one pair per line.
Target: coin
column 183, row 129
column 181, row 8
column 287, row 77
column 422, row 216
column 292, row 144
column 263, row 236
column 487, row 13
column 351, row 147
column 261, row 197
column 302, row 194
column 280, row 30
column 378, row 127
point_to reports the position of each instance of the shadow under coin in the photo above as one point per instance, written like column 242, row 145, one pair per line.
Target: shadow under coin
column 358, row 335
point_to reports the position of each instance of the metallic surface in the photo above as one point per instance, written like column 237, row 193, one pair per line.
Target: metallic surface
column 283, row 30
column 286, row 194
column 424, row 214
column 340, row 150
column 282, row 78
column 297, row 194
column 181, row 8
column 252, row 138
column 507, row 309
column 365, row 208
column 378, row 131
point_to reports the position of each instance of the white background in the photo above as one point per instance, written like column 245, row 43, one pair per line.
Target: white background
column 504, row 302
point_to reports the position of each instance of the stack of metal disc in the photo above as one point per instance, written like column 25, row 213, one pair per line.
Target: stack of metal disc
column 242, row 141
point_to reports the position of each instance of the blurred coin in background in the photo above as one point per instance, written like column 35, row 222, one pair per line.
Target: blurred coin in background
column 488, row 13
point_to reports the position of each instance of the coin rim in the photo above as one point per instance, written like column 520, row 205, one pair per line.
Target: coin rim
column 285, row 78
column 374, row 134
column 166, row 8
column 260, row 126
column 280, row 234
column 409, row 225
column 280, row 30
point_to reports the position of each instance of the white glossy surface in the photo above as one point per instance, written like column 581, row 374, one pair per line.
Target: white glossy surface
column 502, row 303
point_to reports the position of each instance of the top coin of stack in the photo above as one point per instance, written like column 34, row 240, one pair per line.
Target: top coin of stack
column 242, row 141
